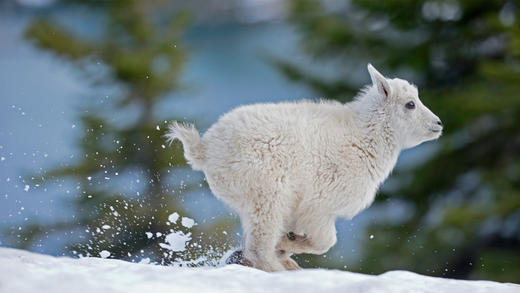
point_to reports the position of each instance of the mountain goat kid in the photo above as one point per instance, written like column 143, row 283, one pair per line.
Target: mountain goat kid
column 291, row 169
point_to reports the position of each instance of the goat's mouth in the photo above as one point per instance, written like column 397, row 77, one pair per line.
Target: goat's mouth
column 435, row 129
column 435, row 132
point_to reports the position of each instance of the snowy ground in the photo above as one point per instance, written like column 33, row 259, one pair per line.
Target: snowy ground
column 22, row 271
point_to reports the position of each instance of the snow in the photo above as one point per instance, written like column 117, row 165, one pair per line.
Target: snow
column 187, row 222
column 104, row 254
column 173, row 217
column 23, row 271
column 176, row 241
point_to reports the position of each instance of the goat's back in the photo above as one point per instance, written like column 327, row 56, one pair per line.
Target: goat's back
column 273, row 139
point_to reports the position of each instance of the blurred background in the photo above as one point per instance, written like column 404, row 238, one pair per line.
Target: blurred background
column 87, row 89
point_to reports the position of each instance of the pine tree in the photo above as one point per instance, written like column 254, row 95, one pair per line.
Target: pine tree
column 122, row 178
column 464, row 201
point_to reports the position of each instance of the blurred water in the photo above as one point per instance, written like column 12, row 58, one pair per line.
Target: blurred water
column 228, row 67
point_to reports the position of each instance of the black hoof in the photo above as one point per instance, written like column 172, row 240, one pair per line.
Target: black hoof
column 238, row 258
column 291, row 236
column 235, row 258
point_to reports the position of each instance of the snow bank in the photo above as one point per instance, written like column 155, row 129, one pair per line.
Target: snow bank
column 22, row 271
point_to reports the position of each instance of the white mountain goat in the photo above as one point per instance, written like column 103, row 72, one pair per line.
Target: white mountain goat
column 291, row 169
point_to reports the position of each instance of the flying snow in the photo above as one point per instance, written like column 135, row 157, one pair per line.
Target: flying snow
column 187, row 222
column 176, row 241
column 173, row 217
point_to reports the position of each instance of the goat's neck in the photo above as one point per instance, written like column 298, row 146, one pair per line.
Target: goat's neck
column 379, row 139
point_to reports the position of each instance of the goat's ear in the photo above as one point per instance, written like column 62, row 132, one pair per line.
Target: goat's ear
column 382, row 85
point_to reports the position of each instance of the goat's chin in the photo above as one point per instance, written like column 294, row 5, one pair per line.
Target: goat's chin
column 430, row 136
column 435, row 134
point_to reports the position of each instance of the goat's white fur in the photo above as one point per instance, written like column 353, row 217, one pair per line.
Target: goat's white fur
column 298, row 166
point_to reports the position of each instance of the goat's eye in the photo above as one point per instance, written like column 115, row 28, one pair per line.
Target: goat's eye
column 410, row 105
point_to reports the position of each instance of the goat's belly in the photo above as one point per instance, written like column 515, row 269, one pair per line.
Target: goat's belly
column 340, row 193
column 352, row 204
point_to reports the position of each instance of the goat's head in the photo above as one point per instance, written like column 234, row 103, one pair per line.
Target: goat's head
column 409, row 117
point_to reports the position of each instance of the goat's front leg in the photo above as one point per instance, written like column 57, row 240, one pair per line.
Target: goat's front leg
column 287, row 261
column 320, row 236
column 284, row 256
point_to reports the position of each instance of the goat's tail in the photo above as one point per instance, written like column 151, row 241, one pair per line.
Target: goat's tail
column 190, row 138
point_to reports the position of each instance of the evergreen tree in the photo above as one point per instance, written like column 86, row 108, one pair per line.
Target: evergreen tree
column 464, row 201
column 122, row 177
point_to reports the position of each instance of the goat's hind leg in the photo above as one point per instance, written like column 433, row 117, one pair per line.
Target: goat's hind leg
column 237, row 257
column 262, row 230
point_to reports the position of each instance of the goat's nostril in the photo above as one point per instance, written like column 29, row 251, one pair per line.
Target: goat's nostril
column 439, row 122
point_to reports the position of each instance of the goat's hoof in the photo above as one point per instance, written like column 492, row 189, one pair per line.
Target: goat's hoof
column 290, row 264
column 293, row 237
column 237, row 257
